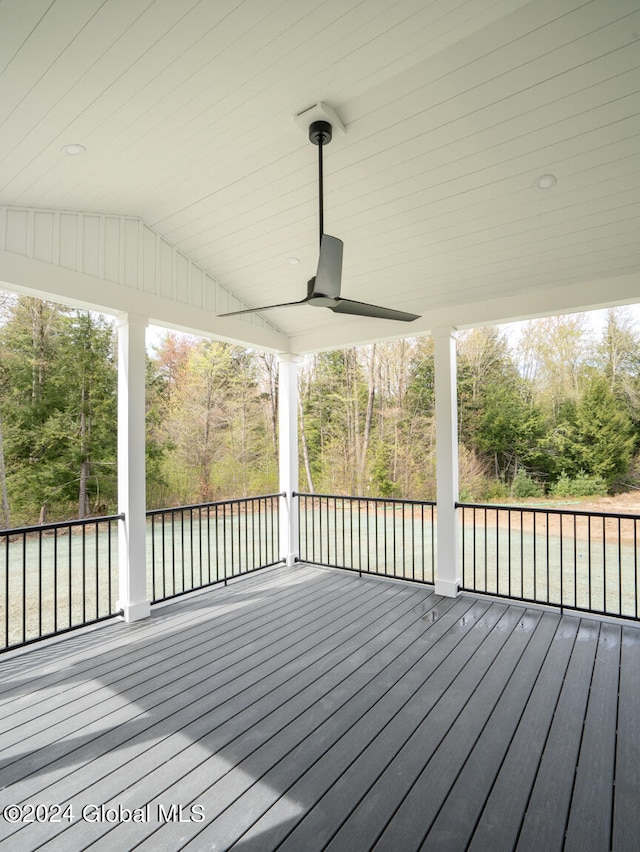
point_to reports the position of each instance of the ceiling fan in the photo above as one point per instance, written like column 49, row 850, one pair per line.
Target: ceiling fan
column 323, row 290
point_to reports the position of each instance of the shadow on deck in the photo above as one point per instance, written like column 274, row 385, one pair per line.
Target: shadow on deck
column 306, row 709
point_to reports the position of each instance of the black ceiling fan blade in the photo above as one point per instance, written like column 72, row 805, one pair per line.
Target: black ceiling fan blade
column 329, row 274
column 363, row 309
column 264, row 308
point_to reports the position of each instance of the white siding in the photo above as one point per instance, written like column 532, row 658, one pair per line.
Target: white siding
column 120, row 249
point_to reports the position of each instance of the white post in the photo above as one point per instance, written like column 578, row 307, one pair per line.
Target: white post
column 288, row 454
column 132, row 546
column 447, row 575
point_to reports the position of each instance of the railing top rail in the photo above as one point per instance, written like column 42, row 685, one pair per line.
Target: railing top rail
column 367, row 499
column 83, row 522
column 547, row 511
column 215, row 503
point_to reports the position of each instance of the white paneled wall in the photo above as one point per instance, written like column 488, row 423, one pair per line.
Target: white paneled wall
column 119, row 249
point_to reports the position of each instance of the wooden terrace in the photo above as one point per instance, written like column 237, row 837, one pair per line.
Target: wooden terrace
column 306, row 708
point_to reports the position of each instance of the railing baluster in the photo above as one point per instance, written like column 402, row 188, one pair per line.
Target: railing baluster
column 521, row 550
column 485, row 555
column 359, row 504
column 336, row 535
column 173, row 552
column 109, row 583
column 561, row 568
column 415, row 513
column 636, row 579
column 535, row 561
column 497, row 557
column 619, row 567
column 575, row 559
column 239, row 539
column 24, row 586
column 70, row 570
column 604, row 566
column 55, row 581
column 230, row 536
column 97, row 572
column 39, row 583
column 84, row 576
column 7, row 591
column 344, row 548
column 590, row 585
column 224, row 569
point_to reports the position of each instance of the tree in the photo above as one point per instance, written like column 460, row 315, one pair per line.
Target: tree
column 329, row 416
column 553, row 353
column 483, row 362
column 211, row 421
column 509, row 429
column 603, row 441
column 498, row 418
column 59, row 410
column 618, row 356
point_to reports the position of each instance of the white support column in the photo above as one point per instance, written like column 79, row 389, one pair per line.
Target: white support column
column 132, row 543
column 447, row 574
column 288, row 454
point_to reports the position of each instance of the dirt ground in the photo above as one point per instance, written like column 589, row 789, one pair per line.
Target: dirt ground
column 613, row 531
column 623, row 504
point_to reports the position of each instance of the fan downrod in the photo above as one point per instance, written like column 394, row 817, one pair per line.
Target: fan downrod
column 320, row 132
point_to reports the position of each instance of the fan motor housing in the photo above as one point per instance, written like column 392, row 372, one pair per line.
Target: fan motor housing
column 320, row 132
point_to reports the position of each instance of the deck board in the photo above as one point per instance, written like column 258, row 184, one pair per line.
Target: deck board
column 626, row 823
column 592, row 803
column 547, row 812
column 308, row 708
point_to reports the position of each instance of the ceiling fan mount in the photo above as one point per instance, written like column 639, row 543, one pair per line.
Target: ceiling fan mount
column 323, row 290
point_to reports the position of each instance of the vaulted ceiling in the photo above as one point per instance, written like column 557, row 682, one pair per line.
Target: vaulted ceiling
column 452, row 108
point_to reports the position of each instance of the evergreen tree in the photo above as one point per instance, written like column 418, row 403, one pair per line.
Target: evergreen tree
column 59, row 411
column 603, row 438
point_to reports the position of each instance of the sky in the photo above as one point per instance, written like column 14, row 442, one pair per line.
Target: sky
column 596, row 320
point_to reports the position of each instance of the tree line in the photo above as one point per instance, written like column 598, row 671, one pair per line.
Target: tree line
column 556, row 412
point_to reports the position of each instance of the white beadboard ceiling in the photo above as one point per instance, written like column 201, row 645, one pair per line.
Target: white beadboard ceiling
column 452, row 109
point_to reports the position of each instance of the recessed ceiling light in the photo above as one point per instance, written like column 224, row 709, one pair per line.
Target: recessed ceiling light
column 546, row 181
column 294, row 261
column 74, row 150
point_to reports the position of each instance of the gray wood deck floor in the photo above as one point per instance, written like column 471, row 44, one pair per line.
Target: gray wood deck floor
column 304, row 709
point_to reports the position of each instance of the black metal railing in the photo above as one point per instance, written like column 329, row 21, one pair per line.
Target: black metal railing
column 57, row 577
column 384, row 536
column 579, row 560
column 190, row 547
